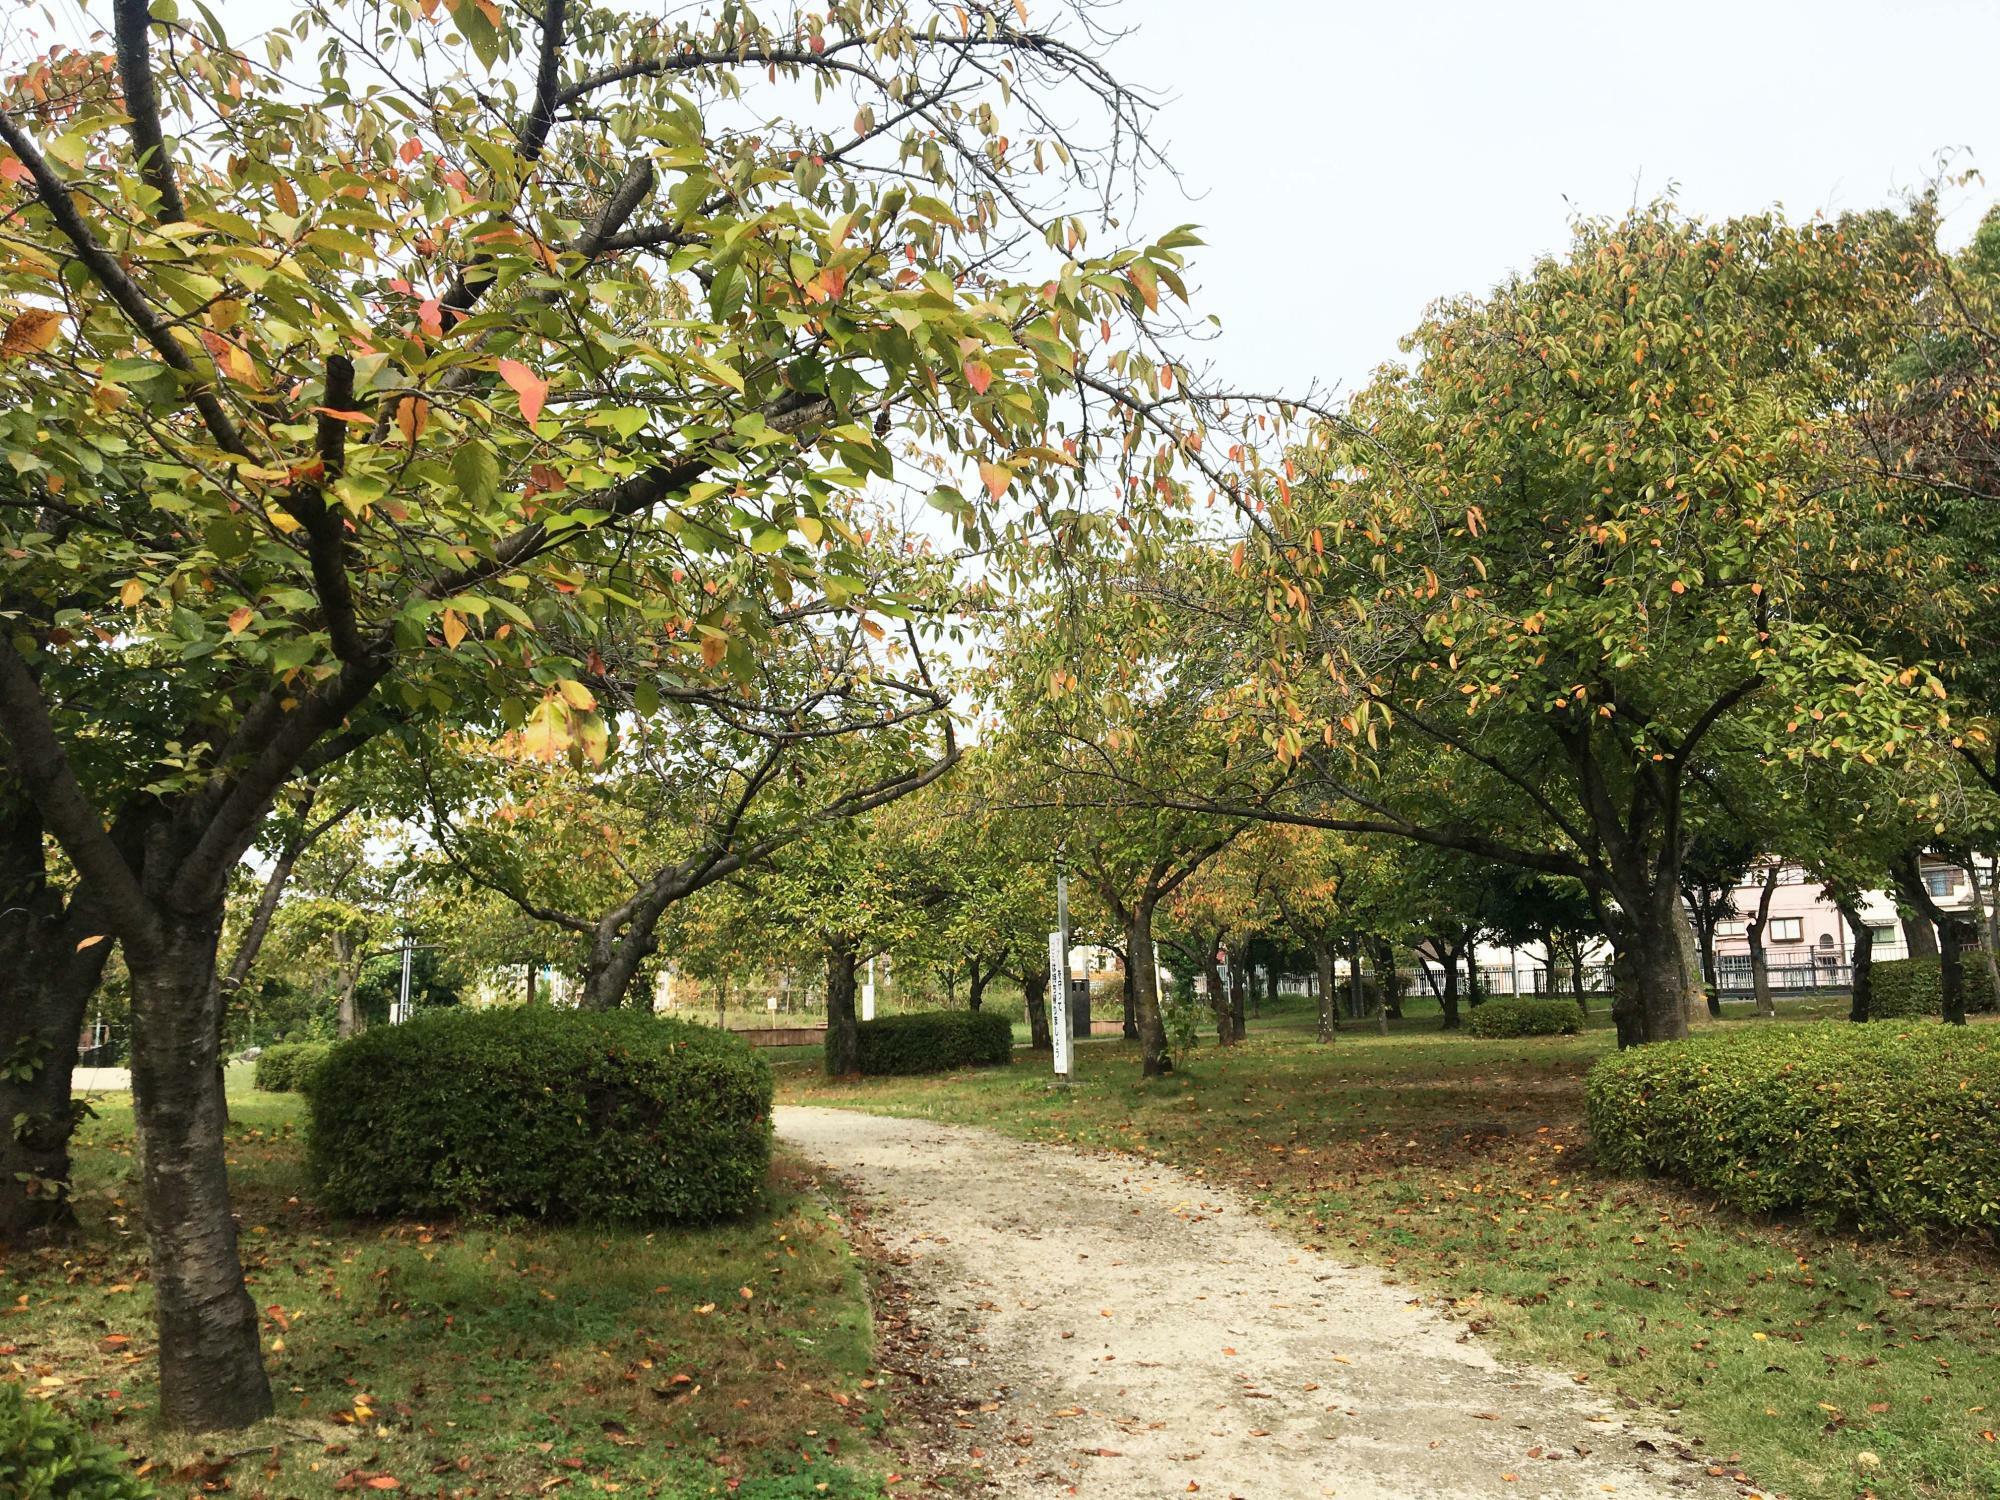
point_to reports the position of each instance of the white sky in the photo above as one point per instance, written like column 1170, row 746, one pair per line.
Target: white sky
column 1349, row 162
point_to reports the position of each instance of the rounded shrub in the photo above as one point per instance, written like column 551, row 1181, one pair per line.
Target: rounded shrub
column 1864, row 1125
column 283, row 1069
column 46, row 1456
column 1526, row 1015
column 1901, row 989
column 556, row 1114
column 931, row 1041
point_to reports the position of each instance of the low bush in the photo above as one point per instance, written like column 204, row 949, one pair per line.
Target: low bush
column 930, row 1041
column 1864, row 1125
column 284, row 1068
column 1526, row 1015
column 46, row 1456
column 555, row 1114
column 1903, row 988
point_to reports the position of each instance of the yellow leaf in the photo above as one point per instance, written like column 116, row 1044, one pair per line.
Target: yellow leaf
column 90, row 942
column 996, row 477
column 32, row 330
column 713, row 649
column 454, row 629
column 576, row 695
column 132, row 593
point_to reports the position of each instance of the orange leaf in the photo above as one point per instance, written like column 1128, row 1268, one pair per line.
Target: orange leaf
column 996, row 477
column 32, row 331
column 90, row 942
column 413, row 414
column 978, row 376
column 713, row 649
column 13, row 169
column 239, row 618
column 530, row 387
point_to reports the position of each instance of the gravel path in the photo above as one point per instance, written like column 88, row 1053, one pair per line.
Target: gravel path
column 1130, row 1331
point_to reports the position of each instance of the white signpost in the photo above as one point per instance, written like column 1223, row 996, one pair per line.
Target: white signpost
column 1060, row 1038
column 868, row 993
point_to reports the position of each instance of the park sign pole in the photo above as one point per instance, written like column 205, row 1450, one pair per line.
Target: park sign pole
column 868, row 992
column 1059, row 1028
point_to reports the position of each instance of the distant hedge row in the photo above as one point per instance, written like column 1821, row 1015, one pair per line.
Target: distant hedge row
column 932, row 1041
column 1868, row 1125
column 1525, row 1015
column 1901, row 989
column 563, row 1115
column 284, row 1068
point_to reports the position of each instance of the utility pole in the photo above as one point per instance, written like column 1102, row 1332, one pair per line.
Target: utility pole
column 1059, row 1027
column 403, row 995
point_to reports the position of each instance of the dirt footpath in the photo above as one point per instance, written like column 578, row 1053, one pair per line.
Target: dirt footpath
column 1128, row 1331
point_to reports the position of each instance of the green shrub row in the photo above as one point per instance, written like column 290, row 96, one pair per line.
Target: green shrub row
column 1526, row 1015
column 565, row 1115
column 284, row 1068
column 930, row 1041
column 46, row 1456
column 1865, row 1125
column 1903, row 988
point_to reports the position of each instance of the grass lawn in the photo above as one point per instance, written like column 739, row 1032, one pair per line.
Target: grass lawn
column 473, row 1360
column 1462, row 1167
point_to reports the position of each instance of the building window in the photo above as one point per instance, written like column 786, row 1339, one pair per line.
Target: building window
column 1791, row 875
column 1882, row 935
column 1940, row 882
column 1730, row 929
column 1787, row 929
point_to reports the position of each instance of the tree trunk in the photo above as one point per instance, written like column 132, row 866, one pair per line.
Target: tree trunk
column 843, row 1039
column 1704, row 933
column 1654, row 996
column 1474, row 995
column 1951, row 969
column 1035, row 1002
column 1357, row 1002
column 1389, row 982
column 975, row 995
column 1760, row 963
column 49, row 980
column 1919, row 936
column 1982, row 924
column 1237, row 1017
column 1863, row 961
column 1131, row 996
column 211, row 1369
column 1448, row 991
column 1218, row 996
column 1329, row 1013
column 49, row 988
column 1144, row 982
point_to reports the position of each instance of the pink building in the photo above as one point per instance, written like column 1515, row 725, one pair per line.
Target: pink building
column 1807, row 942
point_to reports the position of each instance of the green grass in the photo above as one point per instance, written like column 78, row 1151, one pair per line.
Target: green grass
column 1462, row 1166
column 475, row 1359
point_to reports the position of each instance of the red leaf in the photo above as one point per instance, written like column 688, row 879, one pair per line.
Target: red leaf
column 530, row 387
column 978, row 376
column 430, row 313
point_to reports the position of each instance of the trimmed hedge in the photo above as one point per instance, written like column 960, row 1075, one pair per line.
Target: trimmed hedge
column 1526, row 1015
column 1902, row 989
column 284, row 1068
column 1861, row 1125
column 46, row 1456
column 932, row 1041
column 565, row 1115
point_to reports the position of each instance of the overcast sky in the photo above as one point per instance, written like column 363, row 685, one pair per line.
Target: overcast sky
column 1350, row 162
